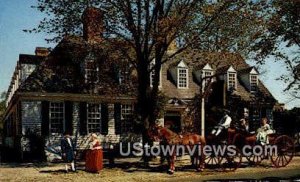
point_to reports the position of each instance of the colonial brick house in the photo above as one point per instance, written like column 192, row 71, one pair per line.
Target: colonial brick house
column 83, row 86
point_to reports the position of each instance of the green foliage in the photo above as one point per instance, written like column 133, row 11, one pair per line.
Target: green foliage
column 282, row 40
column 149, row 27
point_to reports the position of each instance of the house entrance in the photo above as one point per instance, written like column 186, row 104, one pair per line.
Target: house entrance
column 173, row 122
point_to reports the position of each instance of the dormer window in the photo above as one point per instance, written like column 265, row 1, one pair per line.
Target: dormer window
column 91, row 70
column 207, row 77
column 253, row 82
column 124, row 75
column 182, row 75
column 203, row 74
column 231, row 80
column 182, row 81
column 249, row 77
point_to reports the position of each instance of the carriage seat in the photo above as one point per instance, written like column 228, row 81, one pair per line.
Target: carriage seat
column 250, row 134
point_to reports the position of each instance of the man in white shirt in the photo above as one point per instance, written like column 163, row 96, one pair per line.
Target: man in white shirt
column 223, row 124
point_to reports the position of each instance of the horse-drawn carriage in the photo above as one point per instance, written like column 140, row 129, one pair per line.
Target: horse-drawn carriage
column 228, row 149
column 282, row 145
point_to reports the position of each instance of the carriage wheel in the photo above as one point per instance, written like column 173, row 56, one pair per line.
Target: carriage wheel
column 285, row 151
column 213, row 161
column 254, row 159
column 231, row 163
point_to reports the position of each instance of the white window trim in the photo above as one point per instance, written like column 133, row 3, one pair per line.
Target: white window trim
column 123, row 119
column 203, row 76
column 187, row 77
column 87, row 118
column 235, row 78
column 86, row 70
column 64, row 118
column 250, row 82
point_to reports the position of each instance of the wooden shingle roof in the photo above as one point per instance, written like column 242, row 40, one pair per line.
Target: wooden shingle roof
column 62, row 71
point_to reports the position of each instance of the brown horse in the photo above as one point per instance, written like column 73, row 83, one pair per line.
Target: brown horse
column 170, row 138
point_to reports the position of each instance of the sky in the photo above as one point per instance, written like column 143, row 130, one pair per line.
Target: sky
column 16, row 15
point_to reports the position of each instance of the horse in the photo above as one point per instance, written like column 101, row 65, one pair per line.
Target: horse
column 170, row 138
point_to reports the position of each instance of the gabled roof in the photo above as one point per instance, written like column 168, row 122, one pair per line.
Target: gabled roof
column 59, row 72
column 179, row 63
column 250, row 70
column 203, row 66
column 182, row 64
column 219, row 61
column 62, row 71
column 225, row 69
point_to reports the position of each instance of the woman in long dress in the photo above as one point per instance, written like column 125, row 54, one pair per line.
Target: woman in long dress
column 94, row 142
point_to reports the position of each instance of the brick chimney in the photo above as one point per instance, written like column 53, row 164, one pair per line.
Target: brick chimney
column 93, row 27
column 41, row 51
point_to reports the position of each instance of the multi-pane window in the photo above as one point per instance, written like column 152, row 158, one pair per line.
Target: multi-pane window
column 182, row 78
column 231, row 80
column 127, row 116
column 56, row 117
column 124, row 75
column 253, row 83
column 93, row 118
column 207, row 77
column 91, row 71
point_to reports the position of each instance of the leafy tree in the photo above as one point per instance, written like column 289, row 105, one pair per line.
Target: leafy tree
column 282, row 40
column 150, row 27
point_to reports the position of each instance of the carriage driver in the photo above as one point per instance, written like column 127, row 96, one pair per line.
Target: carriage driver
column 224, row 123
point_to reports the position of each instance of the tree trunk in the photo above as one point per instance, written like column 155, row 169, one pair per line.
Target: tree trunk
column 144, row 102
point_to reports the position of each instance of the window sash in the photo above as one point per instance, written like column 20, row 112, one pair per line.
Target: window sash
column 91, row 72
column 253, row 83
column 126, row 117
column 56, row 117
column 231, row 80
column 205, row 79
column 182, row 78
column 94, row 118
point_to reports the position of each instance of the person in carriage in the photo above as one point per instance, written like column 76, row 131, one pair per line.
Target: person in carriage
column 263, row 132
column 244, row 126
column 224, row 123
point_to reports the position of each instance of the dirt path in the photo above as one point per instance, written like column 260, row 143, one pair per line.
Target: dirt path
column 134, row 171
